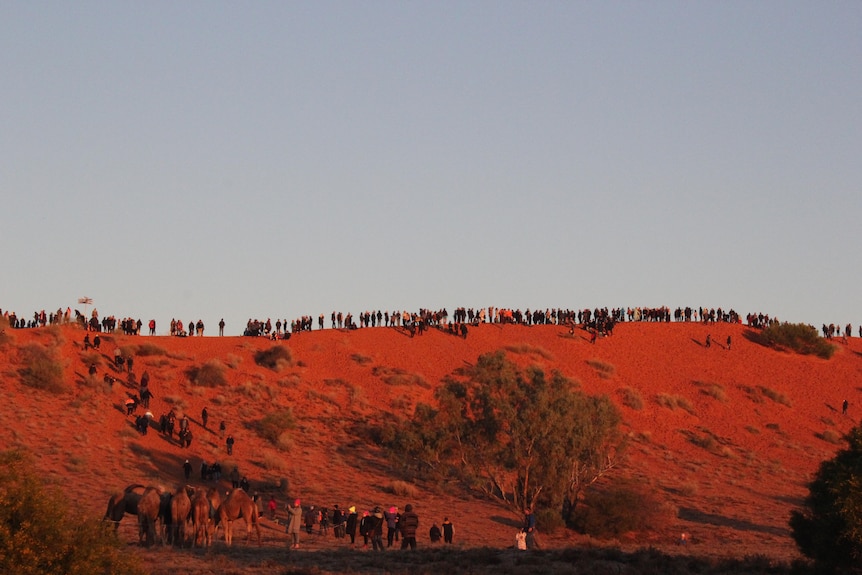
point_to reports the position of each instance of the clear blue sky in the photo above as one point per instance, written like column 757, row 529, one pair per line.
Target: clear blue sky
column 273, row 159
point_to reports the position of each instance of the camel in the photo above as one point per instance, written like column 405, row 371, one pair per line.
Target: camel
column 150, row 508
column 203, row 512
column 238, row 504
column 180, row 509
column 121, row 503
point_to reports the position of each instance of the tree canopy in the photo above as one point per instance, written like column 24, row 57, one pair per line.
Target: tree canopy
column 829, row 527
column 528, row 439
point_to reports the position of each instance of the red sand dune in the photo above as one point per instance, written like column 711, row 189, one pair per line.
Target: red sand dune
column 733, row 501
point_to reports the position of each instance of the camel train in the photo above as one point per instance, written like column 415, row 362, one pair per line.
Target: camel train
column 187, row 517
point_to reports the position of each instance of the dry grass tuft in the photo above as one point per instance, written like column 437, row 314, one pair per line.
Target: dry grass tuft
column 402, row 489
column 775, row 396
column 527, row 349
column 829, row 436
column 631, row 398
column 396, row 376
column 361, row 359
column 603, row 370
column 714, row 390
column 673, row 401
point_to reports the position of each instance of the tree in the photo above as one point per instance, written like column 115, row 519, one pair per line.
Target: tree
column 519, row 436
column 39, row 534
column 829, row 527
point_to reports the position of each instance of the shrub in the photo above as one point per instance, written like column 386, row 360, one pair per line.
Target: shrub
column 402, row 489
column 92, row 357
column 621, row 508
column 149, row 349
column 6, row 338
column 673, row 401
column 828, row 528
column 603, row 370
column 210, row 374
column 40, row 534
column 713, row 390
column 775, row 396
column 549, row 520
column 752, row 393
column 361, row 359
column 42, row 370
column 797, row 337
column 829, row 436
column 274, row 427
column 397, row 376
column 631, row 398
column 708, row 441
column 275, row 358
column 527, row 349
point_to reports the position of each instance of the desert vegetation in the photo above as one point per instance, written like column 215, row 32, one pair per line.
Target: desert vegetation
column 42, row 369
column 672, row 402
column 275, row 358
column 828, row 528
column 603, row 369
column 275, row 427
column 210, row 374
column 41, row 533
column 631, row 398
column 519, row 436
column 796, row 337
column 713, row 390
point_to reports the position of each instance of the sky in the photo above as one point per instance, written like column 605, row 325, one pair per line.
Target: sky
column 209, row 159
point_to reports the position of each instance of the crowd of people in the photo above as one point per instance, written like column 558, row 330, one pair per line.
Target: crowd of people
column 601, row 320
column 365, row 528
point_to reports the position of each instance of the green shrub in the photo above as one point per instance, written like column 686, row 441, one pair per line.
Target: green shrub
column 621, row 508
column 40, row 533
column 274, row 427
column 42, row 370
column 549, row 520
column 210, row 374
column 798, row 337
column 275, row 358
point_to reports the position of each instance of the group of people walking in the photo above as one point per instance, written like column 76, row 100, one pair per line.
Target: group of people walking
column 369, row 525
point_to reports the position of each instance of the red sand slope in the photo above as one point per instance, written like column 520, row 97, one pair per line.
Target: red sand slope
column 733, row 500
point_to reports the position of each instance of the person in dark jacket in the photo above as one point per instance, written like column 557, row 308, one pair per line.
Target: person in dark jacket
column 435, row 534
column 338, row 522
column 375, row 529
column 352, row 520
column 448, row 530
column 364, row 526
column 409, row 523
